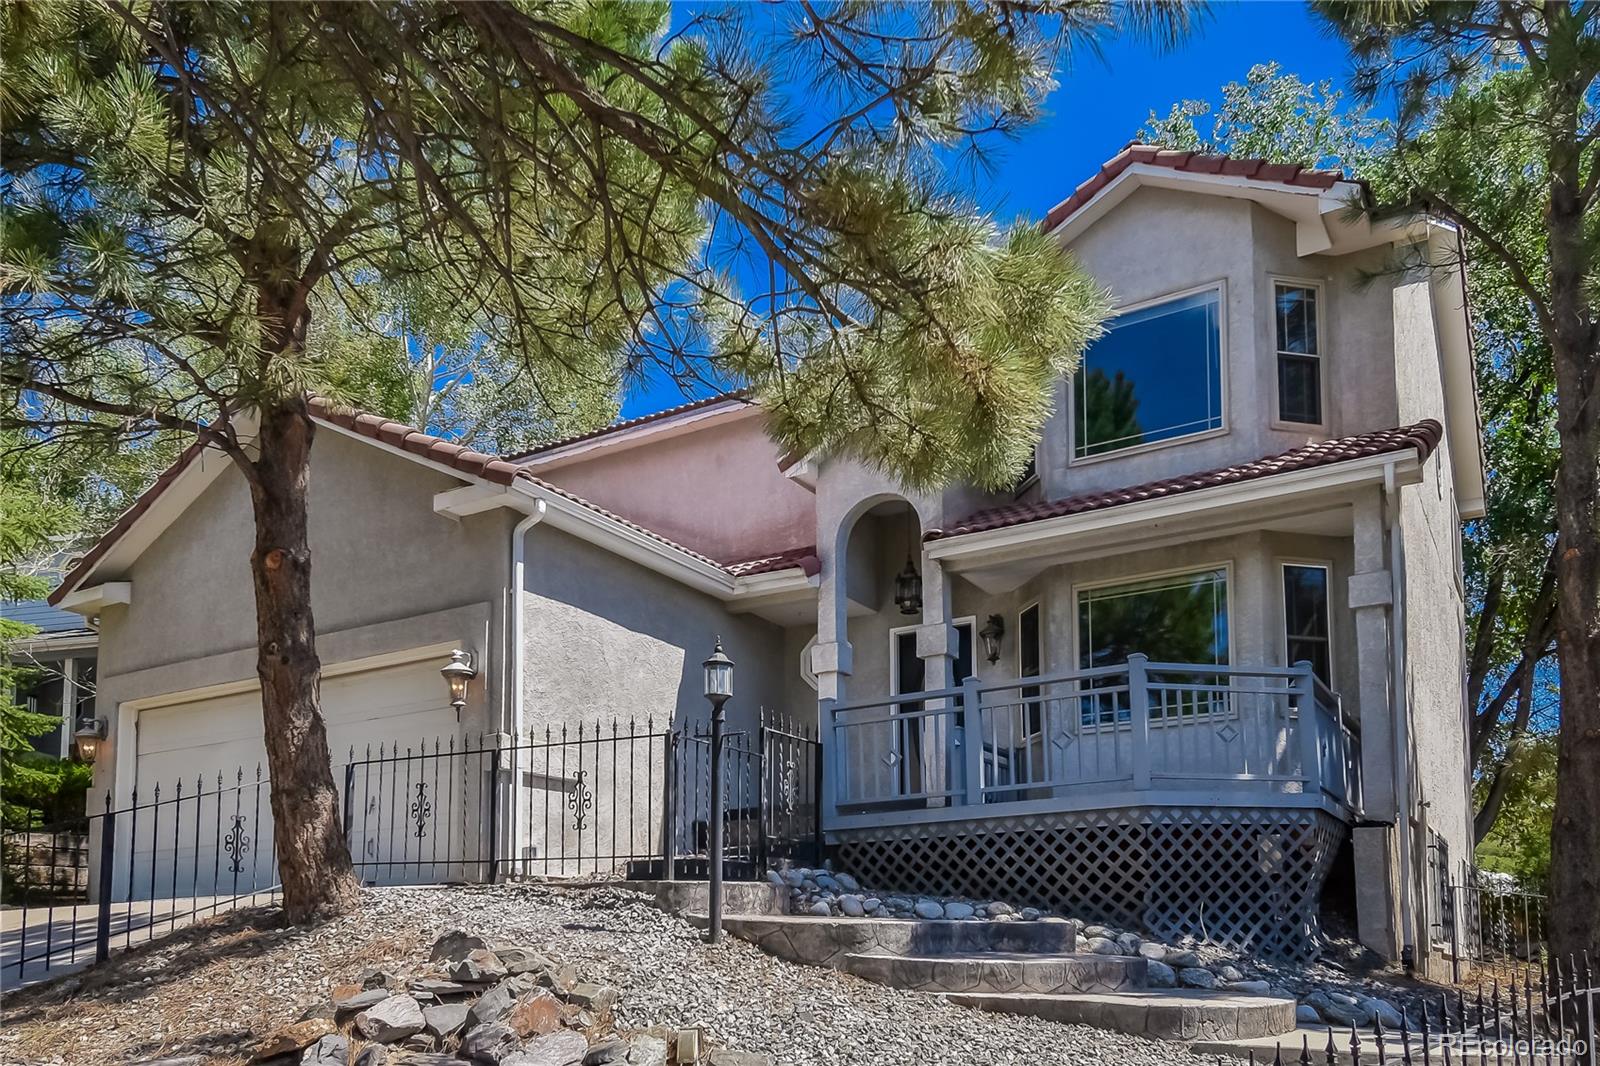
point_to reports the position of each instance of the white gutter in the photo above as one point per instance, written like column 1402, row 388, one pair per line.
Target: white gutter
column 1399, row 715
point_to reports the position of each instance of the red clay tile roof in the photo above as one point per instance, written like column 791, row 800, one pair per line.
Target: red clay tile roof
column 1424, row 436
column 804, row 558
column 616, row 427
column 1191, row 163
column 406, row 438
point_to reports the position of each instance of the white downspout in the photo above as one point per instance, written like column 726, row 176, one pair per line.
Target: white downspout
column 534, row 511
column 1400, row 715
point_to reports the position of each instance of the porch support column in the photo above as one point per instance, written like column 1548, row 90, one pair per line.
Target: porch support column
column 832, row 660
column 1374, row 842
column 936, row 647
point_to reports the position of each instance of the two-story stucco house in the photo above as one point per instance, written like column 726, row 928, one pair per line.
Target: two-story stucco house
column 1201, row 669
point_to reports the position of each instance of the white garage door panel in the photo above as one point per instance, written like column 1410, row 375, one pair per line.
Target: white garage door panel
column 222, row 842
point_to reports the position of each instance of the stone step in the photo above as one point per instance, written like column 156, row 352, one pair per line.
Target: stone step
column 829, row 941
column 1180, row 1014
column 1001, row 972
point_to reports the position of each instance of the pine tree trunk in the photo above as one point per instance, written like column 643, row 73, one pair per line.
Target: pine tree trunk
column 1575, row 345
column 1575, row 836
column 313, row 859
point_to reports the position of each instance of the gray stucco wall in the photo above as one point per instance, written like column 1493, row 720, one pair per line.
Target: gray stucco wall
column 1435, row 612
column 604, row 636
column 387, row 574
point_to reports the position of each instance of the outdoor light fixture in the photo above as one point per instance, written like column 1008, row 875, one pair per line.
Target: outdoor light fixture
column 88, row 737
column 719, row 677
column 993, row 631
column 908, row 589
column 457, row 672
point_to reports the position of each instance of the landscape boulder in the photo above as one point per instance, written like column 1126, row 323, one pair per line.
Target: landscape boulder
column 565, row 1048
column 391, row 1021
column 289, row 1039
column 491, row 1043
column 331, row 1050
column 454, row 946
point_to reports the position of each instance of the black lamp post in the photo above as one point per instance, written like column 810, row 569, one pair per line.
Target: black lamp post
column 719, row 688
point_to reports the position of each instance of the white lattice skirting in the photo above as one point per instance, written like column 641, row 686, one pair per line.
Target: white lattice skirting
column 1248, row 879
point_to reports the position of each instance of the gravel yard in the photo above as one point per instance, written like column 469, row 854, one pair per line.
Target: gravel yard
column 213, row 988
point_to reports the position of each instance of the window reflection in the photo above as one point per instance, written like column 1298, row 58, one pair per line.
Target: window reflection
column 1155, row 375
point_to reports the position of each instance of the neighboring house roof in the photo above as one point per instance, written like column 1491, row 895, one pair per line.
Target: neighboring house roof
column 401, row 437
column 1192, row 163
column 1423, row 437
column 633, row 423
column 41, row 616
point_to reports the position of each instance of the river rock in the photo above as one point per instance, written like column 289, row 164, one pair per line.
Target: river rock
column 928, row 909
column 1160, row 975
column 852, row 906
column 1197, row 977
column 1099, row 945
column 848, row 883
column 1151, row 950
column 957, row 911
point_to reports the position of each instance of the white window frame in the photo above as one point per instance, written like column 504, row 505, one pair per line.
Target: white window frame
column 1316, row 285
column 1220, row 286
column 1326, row 566
column 1074, row 589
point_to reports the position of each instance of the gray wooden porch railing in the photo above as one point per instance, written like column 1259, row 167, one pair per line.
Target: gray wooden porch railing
column 1136, row 732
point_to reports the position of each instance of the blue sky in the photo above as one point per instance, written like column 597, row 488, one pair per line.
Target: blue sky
column 1101, row 103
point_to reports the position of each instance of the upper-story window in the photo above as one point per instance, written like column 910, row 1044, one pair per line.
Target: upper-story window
column 1156, row 375
column 1299, row 338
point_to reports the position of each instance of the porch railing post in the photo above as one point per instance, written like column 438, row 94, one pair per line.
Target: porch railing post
column 669, row 860
column 1303, row 700
column 1139, row 717
column 972, row 741
column 829, row 770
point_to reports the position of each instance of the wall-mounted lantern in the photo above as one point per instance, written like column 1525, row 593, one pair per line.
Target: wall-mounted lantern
column 908, row 589
column 457, row 672
column 87, row 738
column 993, row 632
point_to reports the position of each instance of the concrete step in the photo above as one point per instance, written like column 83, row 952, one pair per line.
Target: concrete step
column 1001, row 972
column 694, row 897
column 829, row 941
column 1179, row 1014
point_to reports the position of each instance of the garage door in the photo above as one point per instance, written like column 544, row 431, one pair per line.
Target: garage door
column 208, row 823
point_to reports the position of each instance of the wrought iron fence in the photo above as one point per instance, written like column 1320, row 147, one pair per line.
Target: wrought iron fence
column 621, row 799
column 1544, row 1015
column 1490, row 919
column 187, row 849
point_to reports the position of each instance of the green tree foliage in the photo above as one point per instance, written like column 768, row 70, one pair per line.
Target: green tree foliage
column 31, row 521
column 1277, row 116
column 194, row 190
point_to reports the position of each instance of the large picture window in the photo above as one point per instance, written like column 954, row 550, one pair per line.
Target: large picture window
column 1180, row 618
column 1155, row 375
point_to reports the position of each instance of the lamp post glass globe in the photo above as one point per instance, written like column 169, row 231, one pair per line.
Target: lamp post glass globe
column 719, row 676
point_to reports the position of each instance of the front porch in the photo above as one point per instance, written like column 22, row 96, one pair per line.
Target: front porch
column 1135, row 734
